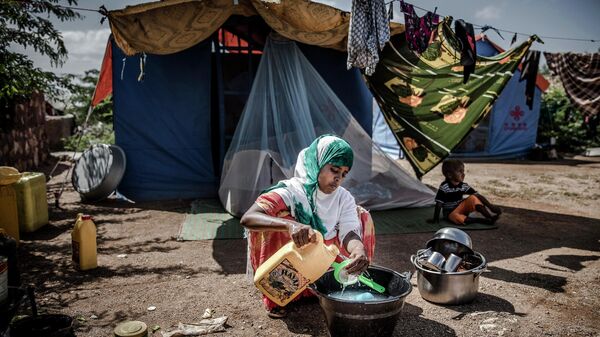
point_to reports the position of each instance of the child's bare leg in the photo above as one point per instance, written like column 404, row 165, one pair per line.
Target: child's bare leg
column 489, row 205
column 483, row 210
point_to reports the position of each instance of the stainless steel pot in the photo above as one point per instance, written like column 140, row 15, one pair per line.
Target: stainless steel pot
column 449, row 288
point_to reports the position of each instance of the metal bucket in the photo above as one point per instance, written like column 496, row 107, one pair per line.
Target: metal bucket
column 449, row 288
column 371, row 318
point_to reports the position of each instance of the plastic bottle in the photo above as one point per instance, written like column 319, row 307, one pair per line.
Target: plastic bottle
column 84, row 243
column 291, row 269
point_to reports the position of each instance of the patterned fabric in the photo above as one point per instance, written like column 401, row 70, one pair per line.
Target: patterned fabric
column 369, row 31
column 168, row 27
column 424, row 100
column 261, row 245
column 580, row 76
column 418, row 29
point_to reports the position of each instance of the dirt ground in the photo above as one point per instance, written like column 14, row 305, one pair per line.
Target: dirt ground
column 543, row 279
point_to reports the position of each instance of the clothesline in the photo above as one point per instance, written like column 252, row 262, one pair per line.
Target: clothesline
column 509, row 31
column 421, row 8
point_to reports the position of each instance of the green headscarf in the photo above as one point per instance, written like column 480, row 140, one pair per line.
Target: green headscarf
column 326, row 149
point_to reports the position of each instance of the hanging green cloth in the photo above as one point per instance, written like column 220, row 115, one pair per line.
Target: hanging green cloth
column 424, row 100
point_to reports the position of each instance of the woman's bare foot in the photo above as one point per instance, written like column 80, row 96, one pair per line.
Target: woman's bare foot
column 277, row 312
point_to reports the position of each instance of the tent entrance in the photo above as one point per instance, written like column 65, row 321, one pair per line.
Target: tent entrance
column 236, row 53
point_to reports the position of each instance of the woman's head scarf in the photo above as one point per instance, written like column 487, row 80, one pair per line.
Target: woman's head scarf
column 326, row 149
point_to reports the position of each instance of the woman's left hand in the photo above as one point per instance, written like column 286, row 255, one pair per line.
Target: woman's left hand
column 360, row 261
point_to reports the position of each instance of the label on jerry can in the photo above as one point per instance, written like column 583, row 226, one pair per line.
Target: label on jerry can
column 283, row 281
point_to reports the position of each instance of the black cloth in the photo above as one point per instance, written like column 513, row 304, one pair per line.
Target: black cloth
column 450, row 195
column 529, row 71
column 468, row 54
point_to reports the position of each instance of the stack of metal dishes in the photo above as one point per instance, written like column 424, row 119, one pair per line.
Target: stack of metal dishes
column 448, row 269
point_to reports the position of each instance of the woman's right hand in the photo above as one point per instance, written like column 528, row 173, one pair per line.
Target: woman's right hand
column 301, row 234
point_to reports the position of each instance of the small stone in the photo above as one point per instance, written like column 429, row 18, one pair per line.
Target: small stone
column 122, row 255
column 487, row 327
column 187, row 277
column 93, row 317
column 260, row 326
column 151, row 308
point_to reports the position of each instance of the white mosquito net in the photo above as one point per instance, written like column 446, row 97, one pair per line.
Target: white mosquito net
column 288, row 107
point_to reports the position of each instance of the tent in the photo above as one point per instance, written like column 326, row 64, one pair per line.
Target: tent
column 175, row 136
column 510, row 129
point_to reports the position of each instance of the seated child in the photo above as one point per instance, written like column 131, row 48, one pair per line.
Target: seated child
column 449, row 198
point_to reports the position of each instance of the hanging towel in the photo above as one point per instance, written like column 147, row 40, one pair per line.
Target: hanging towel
column 529, row 72
column 468, row 54
column 418, row 30
column 580, row 76
column 369, row 31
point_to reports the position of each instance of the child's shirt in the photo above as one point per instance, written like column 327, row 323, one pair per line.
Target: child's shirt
column 450, row 195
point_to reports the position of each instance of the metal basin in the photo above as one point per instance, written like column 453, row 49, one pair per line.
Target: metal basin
column 450, row 240
column 449, row 288
column 98, row 171
column 363, row 318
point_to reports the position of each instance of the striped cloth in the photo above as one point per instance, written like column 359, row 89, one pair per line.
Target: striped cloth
column 580, row 76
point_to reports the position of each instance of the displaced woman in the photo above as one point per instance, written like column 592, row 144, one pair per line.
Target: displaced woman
column 312, row 200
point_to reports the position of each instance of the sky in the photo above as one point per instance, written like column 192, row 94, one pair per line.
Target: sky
column 86, row 39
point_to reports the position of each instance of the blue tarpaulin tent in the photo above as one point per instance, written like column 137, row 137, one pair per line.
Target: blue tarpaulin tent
column 163, row 120
column 510, row 129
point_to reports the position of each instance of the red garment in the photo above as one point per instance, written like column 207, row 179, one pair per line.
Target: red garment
column 104, row 85
column 264, row 244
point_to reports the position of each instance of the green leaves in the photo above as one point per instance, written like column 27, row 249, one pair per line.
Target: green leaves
column 27, row 24
column 559, row 119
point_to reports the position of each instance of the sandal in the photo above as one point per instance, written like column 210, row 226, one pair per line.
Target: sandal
column 277, row 312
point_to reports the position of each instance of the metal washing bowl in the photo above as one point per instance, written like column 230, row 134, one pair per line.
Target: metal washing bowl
column 449, row 288
column 451, row 240
column 99, row 171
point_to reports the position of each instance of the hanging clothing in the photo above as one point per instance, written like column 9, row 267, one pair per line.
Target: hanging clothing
column 468, row 53
column 418, row 30
column 529, row 71
column 422, row 97
column 580, row 76
column 369, row 31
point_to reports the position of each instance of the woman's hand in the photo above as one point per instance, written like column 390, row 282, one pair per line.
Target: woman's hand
column 301, row 234
column 360, row 261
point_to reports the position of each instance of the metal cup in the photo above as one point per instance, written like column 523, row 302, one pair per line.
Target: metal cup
column 435, row 261
column 452, row 263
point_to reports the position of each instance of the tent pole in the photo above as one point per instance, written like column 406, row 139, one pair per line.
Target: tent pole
column 218, row 64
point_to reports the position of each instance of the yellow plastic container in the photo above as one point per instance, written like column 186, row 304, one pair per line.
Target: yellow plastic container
column 31, row 201
column 83, row 239
column 9, row 216
column 9, row 175
column 291, row 269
